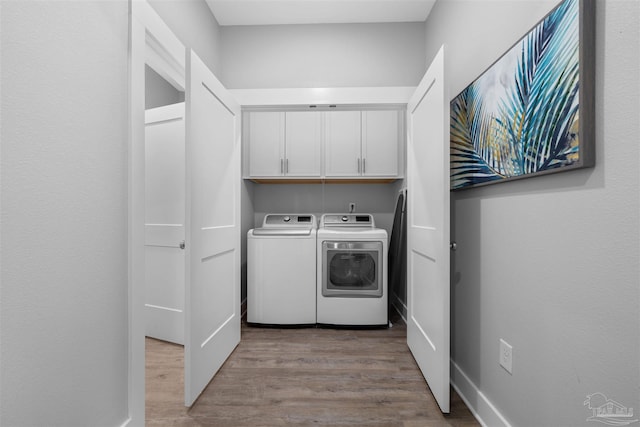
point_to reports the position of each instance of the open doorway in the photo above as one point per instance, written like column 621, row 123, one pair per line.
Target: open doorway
column 164, row 245
column 158, row 91
column 164, row 209
column 165, row 223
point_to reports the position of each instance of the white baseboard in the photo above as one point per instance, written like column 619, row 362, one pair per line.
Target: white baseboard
column 126, row 423
column 479, row 405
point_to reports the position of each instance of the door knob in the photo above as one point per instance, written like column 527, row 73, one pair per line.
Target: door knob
column 182, row 245
column 453, row 246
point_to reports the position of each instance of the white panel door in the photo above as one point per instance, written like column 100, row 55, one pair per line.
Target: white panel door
column 380, row 136
column 213, row 227
column 343, row 143
column 164, row 223
column 303, row 141
column 428, row 229
column 266, row 143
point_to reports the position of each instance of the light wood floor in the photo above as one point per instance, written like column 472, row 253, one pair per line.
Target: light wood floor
column 309, row 376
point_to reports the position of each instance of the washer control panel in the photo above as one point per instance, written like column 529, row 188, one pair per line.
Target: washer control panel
column 289, row 220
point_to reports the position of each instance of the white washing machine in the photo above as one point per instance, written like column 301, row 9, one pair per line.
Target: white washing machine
column 281, row 270
column 352, row 271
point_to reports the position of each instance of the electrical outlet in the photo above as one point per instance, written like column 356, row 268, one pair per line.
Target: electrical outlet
column 352, row 207
column 506, row 356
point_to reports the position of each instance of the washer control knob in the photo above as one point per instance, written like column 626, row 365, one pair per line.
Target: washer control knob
column 345, row 218
column 286, row 218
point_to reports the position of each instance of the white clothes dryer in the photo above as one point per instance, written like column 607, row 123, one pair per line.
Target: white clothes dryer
column 281, row 270
column 352, row 271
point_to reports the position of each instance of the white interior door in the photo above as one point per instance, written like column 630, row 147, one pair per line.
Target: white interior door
column 428, row 229
column 213, row 227
column 164, row 223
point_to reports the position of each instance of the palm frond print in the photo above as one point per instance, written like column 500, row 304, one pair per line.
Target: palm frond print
column 521, row 116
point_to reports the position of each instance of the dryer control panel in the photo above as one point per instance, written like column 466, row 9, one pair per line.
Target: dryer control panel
column 349, row 220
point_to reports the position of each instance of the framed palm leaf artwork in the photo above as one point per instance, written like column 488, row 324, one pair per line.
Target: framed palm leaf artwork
column 532, row 111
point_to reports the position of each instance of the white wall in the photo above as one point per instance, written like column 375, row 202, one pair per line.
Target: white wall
column 64, row 213
column 376, row 199
column 336, row 55
column 550, row 264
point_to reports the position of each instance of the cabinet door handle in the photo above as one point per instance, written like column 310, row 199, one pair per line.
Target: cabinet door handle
column 358, row 164
column 364, row 166
column 281, row 166
column 286, row 166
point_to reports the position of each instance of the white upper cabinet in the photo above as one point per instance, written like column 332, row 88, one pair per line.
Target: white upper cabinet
column 343, row 144
column 303, row 144
column 330, row 144
column 284, row 144
column 380, row 137
column 363, row 143
column 266, row 143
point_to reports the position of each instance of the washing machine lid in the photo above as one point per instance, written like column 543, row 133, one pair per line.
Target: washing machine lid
column 282, row 231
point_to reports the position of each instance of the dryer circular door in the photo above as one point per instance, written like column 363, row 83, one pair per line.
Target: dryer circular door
column 352, row 269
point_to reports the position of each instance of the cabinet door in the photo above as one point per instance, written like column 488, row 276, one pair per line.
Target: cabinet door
column 303, row 140
column 380, row 136
column 342, row 143
column 266, row 143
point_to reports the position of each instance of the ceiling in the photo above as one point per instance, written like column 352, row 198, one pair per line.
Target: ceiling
column 279, row 12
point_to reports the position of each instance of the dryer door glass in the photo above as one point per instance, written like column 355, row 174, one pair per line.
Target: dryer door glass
column 352, row 269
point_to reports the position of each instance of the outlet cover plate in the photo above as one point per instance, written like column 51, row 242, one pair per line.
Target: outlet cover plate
column 506, row 356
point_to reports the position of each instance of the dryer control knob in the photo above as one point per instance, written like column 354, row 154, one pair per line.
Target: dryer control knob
column 286, row 219
column 345, row 219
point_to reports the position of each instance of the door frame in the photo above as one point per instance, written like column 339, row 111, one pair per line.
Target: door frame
column 151, row 42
